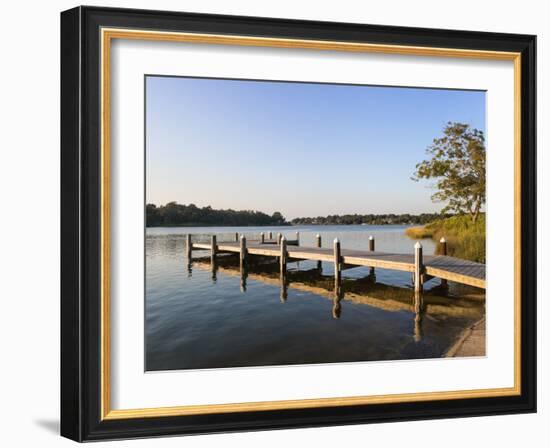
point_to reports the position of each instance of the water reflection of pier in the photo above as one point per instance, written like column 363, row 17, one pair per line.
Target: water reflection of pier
column 433, row 303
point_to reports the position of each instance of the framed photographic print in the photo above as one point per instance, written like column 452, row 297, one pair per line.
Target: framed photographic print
column 273, row 223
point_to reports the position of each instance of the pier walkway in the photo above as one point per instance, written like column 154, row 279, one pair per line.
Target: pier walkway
column 423, row 267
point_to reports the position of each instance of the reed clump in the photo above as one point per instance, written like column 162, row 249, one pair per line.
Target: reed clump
column 419, row 233
column 465, row 238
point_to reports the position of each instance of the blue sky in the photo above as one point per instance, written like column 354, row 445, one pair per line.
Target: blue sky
column 299, row 148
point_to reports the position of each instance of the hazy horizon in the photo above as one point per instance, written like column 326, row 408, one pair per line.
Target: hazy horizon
column 304, row 216
column 302, row 149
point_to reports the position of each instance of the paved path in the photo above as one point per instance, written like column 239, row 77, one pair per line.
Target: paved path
column 471, row 342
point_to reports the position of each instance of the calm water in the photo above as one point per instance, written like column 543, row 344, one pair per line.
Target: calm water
column 197, row 317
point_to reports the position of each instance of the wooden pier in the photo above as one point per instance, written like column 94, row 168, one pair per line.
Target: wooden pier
column 422, row 267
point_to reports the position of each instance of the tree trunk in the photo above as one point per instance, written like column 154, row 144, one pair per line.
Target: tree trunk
column 475, row 212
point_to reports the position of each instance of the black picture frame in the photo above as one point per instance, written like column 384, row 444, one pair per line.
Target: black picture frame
column 81, row 224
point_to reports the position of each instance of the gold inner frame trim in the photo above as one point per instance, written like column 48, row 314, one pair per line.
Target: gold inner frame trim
column 107, row 35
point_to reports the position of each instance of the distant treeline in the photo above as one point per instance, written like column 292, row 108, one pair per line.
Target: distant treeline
column 174, row 215
column 372, row 219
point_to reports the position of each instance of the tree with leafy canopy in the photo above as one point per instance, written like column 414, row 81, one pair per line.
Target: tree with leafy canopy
column 278, row 217
column 458, row 164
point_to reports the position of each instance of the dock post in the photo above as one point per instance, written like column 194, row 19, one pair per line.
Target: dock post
column 418, row 267
column 262, row 238
column 279, row 236
column 189, row 247
column 213, row 252
column 371, row 243
column 337, row 258
column 443, row 250
column 297, row 238
column 283, row 257
column 189, row 250
column 213, row 247
column 242, row 252
column 236, row 237
column 443, row 243
column 319, row 263
column 371, row 249
column 270, row 235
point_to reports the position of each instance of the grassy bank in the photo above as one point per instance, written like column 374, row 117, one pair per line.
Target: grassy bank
column 465, row 239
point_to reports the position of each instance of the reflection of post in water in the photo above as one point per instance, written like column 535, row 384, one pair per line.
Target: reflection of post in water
column 214, row 269
column 418, row 311
column 372, row 276
column 244, row 276
column 336, row 308
column 284, row 286
column 337, row 297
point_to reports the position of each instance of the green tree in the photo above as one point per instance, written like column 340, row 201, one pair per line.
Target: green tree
column 278, row 217
column 458, row 164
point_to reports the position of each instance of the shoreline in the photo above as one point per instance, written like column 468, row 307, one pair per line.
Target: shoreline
column 471, row 342
column 278, row 225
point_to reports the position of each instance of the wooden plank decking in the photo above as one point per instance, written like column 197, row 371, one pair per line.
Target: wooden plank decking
column 441, row 266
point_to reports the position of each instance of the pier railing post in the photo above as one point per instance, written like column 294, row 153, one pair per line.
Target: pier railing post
column 213, row 247
column 262, row 238
column 213, row 252
column 270, row 235
column 443, row 246
column 279, row 236
column 443, row 250
column 284, row 256
column 298, row 238
column 371, row 249
column 236, row 237
column 418, row 267
column 337, row 259
column 319, row 244
column 242, row 252
column 189, row 247
column 371, row 243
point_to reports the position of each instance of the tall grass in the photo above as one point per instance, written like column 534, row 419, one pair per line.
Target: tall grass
column 465, row 239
